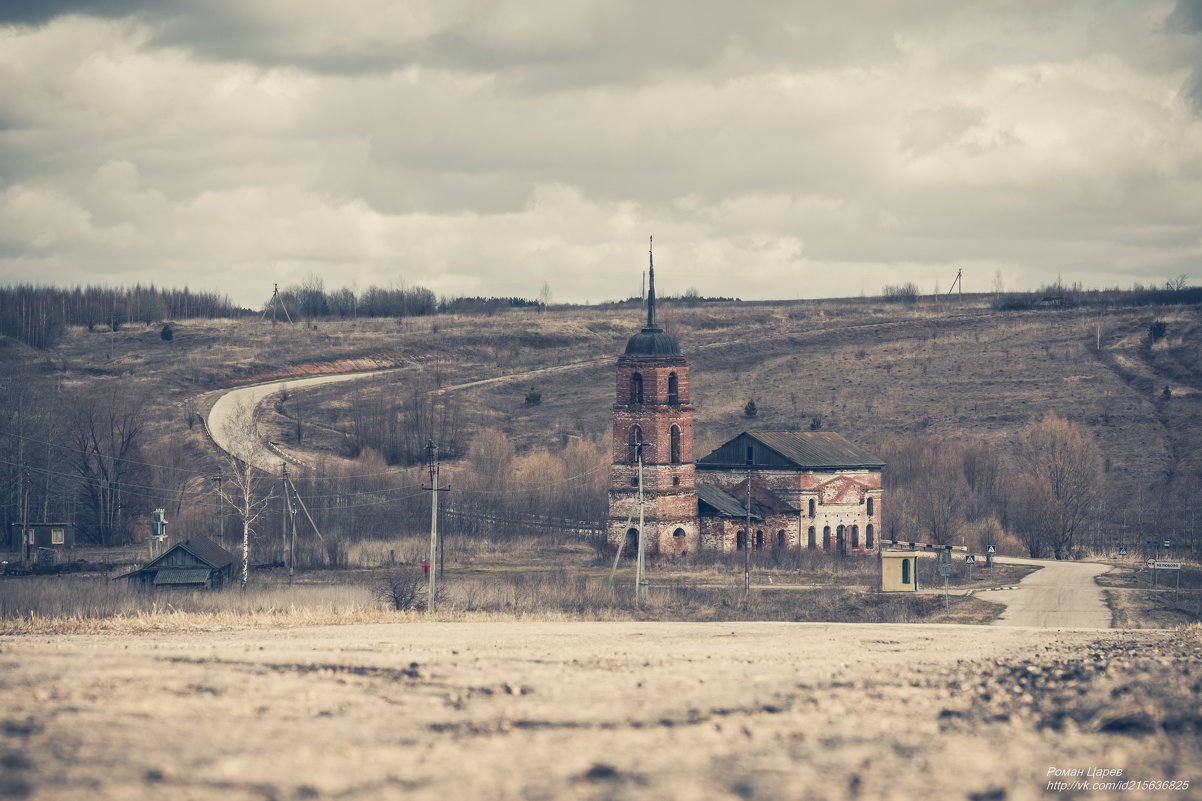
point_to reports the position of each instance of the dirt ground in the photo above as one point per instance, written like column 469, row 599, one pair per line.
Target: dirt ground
column 601, row 711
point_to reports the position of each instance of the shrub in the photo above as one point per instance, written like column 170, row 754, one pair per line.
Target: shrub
column 750, row 410
column 166, row 334
column 1157, row 330
column 402, row 590
column 533, row 397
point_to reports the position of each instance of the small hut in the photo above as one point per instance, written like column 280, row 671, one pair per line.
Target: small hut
column 899, row 571
column 198, row 563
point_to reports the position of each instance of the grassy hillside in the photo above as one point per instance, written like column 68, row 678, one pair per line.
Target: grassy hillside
column 874, row 372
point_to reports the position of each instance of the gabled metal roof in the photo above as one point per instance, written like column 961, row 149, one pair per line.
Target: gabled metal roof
column 201, row 547
column 805, row 450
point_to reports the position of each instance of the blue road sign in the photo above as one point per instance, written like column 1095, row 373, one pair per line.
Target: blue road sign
column 1123, row 551
column 970, row 559
column 991, row 549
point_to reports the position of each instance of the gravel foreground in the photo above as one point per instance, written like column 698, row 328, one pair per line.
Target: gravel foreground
column 603, row 711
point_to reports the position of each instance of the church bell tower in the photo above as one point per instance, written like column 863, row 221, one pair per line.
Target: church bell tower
column 652, row 416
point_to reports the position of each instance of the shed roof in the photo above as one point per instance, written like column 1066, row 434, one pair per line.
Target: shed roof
column 725, row 504
column 188, row 575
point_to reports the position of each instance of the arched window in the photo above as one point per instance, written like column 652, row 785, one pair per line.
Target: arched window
column 840, row 542
column 855, row 536
column 636, row 388
column 812, row 507
column 673, row 389
column 813, row 541
column 780, row 538
column 826, row 538
column 679, row 544
column 868, row 536
column 759, row 540
column 905, row 571
column 632, row 542
column 675, row 435
column 632, row 443
column 740, row 540
column 870, row 507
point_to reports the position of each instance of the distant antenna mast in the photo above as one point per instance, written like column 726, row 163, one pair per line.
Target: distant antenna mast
column 275, row 300
column 957, row 283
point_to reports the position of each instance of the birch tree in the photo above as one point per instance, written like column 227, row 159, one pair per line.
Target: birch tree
column 245, row 487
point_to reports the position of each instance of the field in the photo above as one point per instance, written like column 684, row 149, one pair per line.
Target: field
column 518, row 579
column 601, row 710
column 880, row 374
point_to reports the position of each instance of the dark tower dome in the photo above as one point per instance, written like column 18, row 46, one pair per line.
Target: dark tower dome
column 652, row 340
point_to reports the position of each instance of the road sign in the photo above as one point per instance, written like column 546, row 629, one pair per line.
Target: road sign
column 1168, row 544
column 991, row 549
column 1123, row 551
column 1150, row 543
column 945, row 557
column 1159, row 564
column 970, row 559
column 945, row 570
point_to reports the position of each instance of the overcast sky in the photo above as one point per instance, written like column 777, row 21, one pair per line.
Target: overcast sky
column 774, row 150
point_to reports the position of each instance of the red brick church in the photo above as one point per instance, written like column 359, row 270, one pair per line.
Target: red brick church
column 804, row 489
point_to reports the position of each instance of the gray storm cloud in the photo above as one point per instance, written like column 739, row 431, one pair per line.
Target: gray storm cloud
column 787, row 150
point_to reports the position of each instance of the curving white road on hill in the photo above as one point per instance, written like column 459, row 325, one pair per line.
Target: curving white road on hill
column 231, row 420
column 1059, row 595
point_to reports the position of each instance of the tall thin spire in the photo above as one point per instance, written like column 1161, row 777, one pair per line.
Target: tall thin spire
column 651, row 284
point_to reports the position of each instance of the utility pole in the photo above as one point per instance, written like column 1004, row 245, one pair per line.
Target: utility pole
column 432, row 460
column 638, row 571
column 220, row 508
column 747, row 542
column 284, row 504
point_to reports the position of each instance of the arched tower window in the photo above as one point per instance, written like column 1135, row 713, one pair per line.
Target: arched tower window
column 868, row 536
column 811, row 507
column 673, row 389
column 812, row 542
column 870, row 507
column 636, row 388
column 632, row 444
column 826, row 538
column 675, row 434
column 855, row 536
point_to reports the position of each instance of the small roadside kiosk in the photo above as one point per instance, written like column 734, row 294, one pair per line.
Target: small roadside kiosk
column 899, row 571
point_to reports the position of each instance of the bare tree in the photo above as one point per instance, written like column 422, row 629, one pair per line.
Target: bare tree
column 1061, row 487
column 108, row 429
column 246, row 488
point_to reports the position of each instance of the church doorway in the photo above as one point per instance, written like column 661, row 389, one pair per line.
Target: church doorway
column 631, row 547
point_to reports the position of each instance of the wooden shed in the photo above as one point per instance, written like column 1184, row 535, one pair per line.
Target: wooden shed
column 59, row 536
column 195, row 563
column 899, row 571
